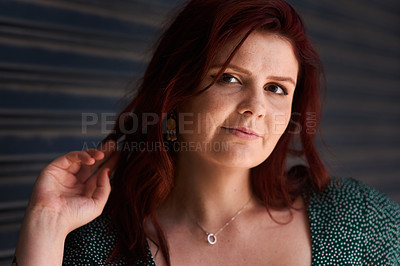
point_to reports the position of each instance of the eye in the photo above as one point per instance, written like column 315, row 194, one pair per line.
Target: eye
column 277, row 89
column 228, row 78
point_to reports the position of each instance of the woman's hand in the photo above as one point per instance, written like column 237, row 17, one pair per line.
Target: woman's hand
column 69, row 192
column 75, row 186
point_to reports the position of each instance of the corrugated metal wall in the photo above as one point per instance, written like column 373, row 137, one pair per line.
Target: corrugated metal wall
column 62, row 59
column 359, row 42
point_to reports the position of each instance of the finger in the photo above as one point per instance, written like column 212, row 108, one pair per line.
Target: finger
column 108, row 148
column 84, row 163
column 86, row 166
column 102, row 191
column 110, row 159
column 87, row 170
column 74, row 157
column 111, row 162
column 101, row 155
column 96, row 154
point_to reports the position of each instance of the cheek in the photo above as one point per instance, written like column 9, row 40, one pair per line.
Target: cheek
column 186, row 123
column 202, row 116
column 279, row 118
column 278, row 123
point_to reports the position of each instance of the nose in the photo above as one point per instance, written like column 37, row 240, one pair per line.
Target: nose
column 253, row 103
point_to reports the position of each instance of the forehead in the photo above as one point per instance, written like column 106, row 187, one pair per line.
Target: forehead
column 261, row 49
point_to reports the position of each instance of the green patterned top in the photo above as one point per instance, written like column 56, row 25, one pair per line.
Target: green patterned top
column 351, row 224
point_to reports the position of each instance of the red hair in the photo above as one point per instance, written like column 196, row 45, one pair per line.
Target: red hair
column 144, row 176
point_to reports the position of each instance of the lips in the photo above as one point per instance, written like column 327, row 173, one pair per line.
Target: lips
column 243, row 132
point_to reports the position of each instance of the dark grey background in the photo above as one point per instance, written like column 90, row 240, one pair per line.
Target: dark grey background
column 60, row 59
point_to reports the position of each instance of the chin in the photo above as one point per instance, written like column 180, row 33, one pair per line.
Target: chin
column 240, row 159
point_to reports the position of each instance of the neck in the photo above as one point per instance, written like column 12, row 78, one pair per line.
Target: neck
column 207, row 192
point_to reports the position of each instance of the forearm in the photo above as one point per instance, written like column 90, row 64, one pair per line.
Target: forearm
column 41, row 239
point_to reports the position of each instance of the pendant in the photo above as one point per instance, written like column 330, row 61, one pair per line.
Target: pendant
column 212, row 239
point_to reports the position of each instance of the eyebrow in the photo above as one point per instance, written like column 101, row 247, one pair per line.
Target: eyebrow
column 234, row 67
column 245, row 71
column 285, row 79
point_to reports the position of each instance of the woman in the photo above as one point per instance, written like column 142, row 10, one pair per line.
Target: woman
column 199, row 175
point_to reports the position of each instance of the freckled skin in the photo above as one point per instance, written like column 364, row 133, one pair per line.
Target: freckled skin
column 246, row 111
column 246, row 97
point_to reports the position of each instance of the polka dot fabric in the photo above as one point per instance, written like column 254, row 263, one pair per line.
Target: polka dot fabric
column 353, row 224
column 91, row 245
column 350, row 223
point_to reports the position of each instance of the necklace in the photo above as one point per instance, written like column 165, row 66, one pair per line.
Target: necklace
column 212, row 237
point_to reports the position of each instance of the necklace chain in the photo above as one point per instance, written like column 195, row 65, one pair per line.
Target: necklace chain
column 212, row 237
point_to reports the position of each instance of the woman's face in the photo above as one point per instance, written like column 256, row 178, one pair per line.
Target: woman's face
column 238, row 121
